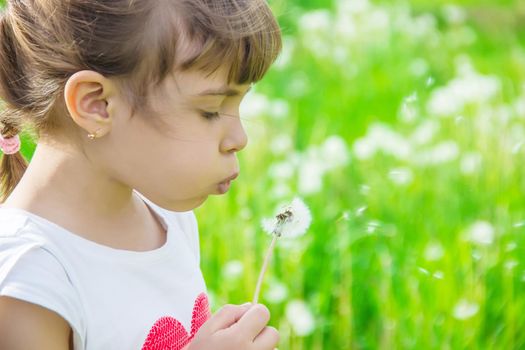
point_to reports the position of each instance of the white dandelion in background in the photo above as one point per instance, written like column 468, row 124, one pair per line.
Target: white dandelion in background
column 311, row 172
column 434, row 251
column 511, row 246
column 281, row 144
column 471, row 163
column 300, row 318
column 401, row 176
column 443, row 152
column 291, row 221
column 233, row 269
column 372, row 226
column 254, row 105
column 511, row 264
column 364, row 189
column 334, row 152
column 425, row 132
column 277, row 292
column 465, row 309
column 481, row 233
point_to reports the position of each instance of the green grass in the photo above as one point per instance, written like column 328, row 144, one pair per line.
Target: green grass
column 378, row 289
column 387, row 263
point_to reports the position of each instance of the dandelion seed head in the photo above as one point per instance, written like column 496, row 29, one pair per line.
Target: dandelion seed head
column 291, row 221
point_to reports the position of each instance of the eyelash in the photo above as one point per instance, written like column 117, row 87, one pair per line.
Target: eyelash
column 210, row 115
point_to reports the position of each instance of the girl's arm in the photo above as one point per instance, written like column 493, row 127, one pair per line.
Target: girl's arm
column 26, row 326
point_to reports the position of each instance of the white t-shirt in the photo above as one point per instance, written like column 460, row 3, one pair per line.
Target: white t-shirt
column 111, row 298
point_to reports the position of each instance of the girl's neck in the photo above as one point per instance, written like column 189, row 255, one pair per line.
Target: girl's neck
column 62, row 186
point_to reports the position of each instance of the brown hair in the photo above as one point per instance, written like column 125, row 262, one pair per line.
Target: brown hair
column 44, row 42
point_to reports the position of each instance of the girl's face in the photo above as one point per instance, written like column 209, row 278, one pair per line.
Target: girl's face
column 187, row 150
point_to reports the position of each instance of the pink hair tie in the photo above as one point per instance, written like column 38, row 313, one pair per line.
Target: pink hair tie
column 10, row 145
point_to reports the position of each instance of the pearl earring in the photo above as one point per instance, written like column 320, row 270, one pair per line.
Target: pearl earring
column 93, row 135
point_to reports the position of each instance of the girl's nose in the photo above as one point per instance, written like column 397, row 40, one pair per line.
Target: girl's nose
column 235, row 138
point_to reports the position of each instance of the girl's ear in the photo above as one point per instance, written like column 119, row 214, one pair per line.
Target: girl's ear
column 87, row 95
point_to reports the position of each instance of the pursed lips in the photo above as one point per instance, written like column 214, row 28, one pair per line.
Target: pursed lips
column 231, row 178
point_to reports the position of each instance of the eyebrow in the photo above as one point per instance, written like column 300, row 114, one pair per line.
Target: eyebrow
column 222, row 91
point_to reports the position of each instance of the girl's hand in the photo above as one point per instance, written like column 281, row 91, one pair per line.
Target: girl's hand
column 240, row 327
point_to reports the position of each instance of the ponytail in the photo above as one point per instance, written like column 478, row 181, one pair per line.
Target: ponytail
column 13, row 164
column 12, row 169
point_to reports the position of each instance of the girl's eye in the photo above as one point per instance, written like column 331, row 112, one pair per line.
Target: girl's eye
column 210, row 115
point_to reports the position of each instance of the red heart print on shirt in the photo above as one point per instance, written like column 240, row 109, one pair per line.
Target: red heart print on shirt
column 169, row 334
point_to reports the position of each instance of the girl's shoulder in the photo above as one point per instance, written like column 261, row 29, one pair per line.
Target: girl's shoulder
column 30, row 270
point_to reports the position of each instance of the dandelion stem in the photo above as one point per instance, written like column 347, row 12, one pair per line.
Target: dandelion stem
column 263, row 269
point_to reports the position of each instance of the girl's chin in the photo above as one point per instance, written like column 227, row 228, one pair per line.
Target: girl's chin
column 223, row 187
column 185, row 205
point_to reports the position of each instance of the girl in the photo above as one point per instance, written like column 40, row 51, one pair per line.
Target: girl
column 135, row 106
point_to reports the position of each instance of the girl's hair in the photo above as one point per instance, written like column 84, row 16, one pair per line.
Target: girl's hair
column 137, row 42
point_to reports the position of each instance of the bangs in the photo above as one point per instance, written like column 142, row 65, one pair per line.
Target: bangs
column 206, row 35
column 242, row 34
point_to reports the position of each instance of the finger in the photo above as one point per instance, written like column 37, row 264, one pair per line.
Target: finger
column 267, row 339
column 253, row 321
column 227, row 316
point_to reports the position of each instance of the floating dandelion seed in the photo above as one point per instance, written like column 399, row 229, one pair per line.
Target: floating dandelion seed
column 438, row 275
column 519, row 224
column 291, row 221
column 361, row 210
column 423, row 271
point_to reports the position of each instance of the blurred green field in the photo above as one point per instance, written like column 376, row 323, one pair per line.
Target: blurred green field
column 402, row 125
